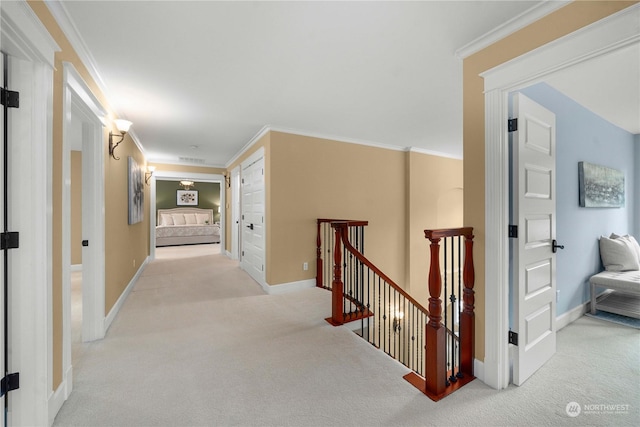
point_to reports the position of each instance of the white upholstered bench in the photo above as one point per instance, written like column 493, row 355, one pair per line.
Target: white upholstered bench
column 624, row 297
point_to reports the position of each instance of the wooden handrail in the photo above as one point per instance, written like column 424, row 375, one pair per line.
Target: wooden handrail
column 376, row 270
column 449, row 232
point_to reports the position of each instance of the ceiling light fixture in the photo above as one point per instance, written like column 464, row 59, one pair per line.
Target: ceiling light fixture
column 186, row 184
column 123, row 127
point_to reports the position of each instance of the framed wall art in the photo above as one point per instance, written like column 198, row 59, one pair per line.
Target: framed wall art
column 187, row 198
column 136, row 192
column 600, row 186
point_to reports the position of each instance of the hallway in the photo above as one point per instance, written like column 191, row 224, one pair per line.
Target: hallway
column 198, row 343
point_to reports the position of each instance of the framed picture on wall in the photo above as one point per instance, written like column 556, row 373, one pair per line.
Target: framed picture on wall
column 136, row 192
column 600, row 186
column 187, row 198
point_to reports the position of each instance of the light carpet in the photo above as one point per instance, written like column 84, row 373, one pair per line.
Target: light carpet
column 198, row 343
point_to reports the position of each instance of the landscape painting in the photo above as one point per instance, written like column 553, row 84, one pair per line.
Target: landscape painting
column 600, row 186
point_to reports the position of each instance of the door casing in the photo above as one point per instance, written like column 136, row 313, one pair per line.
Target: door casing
column 615, row 32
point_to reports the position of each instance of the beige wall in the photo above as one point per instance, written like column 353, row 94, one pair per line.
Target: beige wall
column 435, row 200
column 309, row 178
column 558, row 24
column 76, row 207
column 124, row 244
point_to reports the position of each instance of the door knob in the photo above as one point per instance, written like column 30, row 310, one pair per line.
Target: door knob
column 555, row 246
column 250, row 226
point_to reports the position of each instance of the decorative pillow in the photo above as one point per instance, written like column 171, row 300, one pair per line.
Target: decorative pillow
column 178, row 219
column 202, row 218
column 166, row 219
column 190, row 218
column 618, row 254
column 632, row 241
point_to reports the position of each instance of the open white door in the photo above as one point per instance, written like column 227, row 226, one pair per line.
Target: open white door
column 2, row 301
column 252, row 219
column 534, row 261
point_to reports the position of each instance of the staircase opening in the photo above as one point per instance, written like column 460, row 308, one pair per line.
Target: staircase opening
column 437, row 343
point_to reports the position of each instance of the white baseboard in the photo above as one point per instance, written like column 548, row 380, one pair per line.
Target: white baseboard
column 289, row 287
column 478, row 369
column 76, row 267
column 228, row 254
column 571, row 315
column 58, row 397
column 118, row 305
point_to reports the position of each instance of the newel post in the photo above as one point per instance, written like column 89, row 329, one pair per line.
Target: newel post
column 467, row 317
column 337, row 286
column 319, row 266
column 435, row 363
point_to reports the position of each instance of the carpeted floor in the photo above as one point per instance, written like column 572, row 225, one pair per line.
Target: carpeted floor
column 198, row 343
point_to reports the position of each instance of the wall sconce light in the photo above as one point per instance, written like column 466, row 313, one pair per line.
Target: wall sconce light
column 148, row 173
column 123, row 127
column 186, row 184
column 397, row 321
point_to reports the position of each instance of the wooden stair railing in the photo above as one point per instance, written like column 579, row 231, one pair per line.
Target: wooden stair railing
column 436, row 344
column 440, row 381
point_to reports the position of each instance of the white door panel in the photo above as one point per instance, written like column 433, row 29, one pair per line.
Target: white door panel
column 534, row 211
column 252, row 218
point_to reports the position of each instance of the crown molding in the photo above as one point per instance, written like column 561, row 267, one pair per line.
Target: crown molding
column 526, row 18
column 62, row 17
column 268, row 128
column 66, row 24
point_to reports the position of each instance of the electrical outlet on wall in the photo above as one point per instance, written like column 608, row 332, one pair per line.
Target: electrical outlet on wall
column 305, row 266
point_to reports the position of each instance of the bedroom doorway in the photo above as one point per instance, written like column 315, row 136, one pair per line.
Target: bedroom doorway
column 163, row 198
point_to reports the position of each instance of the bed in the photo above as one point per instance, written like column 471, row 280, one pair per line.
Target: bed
column 186, row 226
column 621, row 258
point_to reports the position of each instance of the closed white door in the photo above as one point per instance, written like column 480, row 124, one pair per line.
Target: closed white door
column 534, row 261
column 252, row 218
column 235, row 213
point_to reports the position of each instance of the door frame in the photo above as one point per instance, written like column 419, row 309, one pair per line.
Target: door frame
column 236, row 209
column 25, row 37
column 612, row 33
column 78, row 99
column 254, row 157
column 173, row 176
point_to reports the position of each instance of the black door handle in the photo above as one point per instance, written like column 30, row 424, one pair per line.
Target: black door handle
column 250, row 226
column 555, row 246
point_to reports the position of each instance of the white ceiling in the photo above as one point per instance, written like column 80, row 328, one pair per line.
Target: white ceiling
column 200, row 79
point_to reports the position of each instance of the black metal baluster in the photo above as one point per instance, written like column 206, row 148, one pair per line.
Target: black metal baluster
column 452, row 298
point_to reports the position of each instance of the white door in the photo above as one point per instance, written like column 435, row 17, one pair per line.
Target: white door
column 2, row 267
column 534, row 262
column 252, row 218
column 235, row 213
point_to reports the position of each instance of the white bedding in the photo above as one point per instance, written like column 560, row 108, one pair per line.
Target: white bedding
column 186, row 226
column 187, row 230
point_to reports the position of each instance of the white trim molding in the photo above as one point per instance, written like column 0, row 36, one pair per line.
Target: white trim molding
column 526, row 18
column 108, row 320
column 31, row 51
column 607, row 35
column 284, row 288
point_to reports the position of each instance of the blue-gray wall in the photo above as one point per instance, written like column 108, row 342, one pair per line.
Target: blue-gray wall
column 583, row 136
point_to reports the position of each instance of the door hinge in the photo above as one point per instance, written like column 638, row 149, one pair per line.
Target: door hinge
column 9, row 98
column 85, row 243
column 513, row 338
column 263, row 268
column 9, row 383
column 512, row 125
column 242, row 253
column 513, row 231
column 10, row 240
